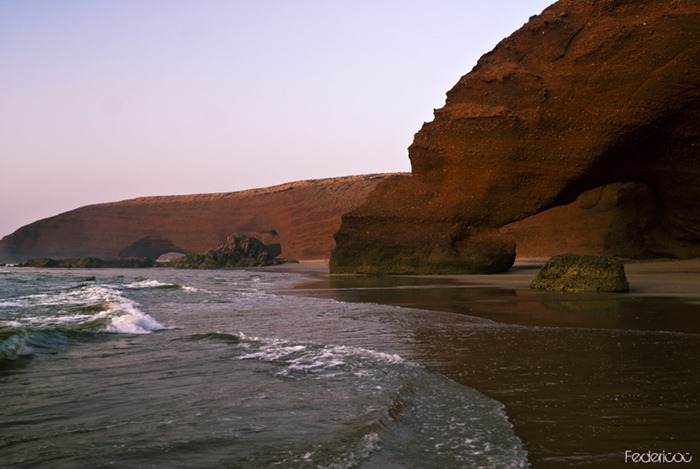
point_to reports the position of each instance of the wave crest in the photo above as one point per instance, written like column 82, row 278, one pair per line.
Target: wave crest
column 88, row 308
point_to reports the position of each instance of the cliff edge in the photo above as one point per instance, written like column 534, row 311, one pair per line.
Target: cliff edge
column 589, row 97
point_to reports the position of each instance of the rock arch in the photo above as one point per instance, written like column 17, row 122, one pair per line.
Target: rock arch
column 584, row 95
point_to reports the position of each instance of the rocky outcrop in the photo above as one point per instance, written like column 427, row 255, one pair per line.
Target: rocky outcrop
column 581, row 273
column 90, row 263
column 586, row 95
column 296, row 220
column 238, row 251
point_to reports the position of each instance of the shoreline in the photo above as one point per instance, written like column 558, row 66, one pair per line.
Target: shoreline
column 648, row 277
column 582, row 376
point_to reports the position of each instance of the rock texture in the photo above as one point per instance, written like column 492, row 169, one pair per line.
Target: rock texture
column 584, row 96
column 581, row 273
column 296, row 220
column 239, row 250
column 615, row 220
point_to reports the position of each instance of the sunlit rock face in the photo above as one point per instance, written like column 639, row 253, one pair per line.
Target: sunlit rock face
column 585, row 95
column 296, row 220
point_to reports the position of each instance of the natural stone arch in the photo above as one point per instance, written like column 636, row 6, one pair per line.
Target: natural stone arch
column 585, row 94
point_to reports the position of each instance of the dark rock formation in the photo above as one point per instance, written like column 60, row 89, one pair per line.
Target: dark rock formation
column 585, row 95
column 238, row 251
column 90, row 263
column 581, row 273
column 296, row 220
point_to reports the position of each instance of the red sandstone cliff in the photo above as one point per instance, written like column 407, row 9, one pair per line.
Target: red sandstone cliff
column 587, row 95
column 301, row 217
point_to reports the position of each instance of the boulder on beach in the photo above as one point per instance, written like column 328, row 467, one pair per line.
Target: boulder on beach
column 581, row 273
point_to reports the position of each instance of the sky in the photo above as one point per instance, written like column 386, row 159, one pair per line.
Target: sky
column 106, row 100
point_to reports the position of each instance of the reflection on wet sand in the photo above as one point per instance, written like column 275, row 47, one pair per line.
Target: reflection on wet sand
column 584, row 377
column 515, row 306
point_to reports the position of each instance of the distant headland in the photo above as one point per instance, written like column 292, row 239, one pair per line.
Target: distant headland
column 297, row 220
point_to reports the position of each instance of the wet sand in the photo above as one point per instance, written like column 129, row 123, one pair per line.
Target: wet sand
column 584, row 377
column 650, row 277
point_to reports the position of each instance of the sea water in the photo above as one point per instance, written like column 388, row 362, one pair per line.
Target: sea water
column 205, row 369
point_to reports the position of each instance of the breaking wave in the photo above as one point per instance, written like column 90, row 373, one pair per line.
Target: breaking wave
column 390, row 407
column 31, row 321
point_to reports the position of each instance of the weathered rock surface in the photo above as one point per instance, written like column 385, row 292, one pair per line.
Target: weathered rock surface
column 297, row 219
column 585, row 95
column 615, row 220
column 238, row 251
column 581, row 273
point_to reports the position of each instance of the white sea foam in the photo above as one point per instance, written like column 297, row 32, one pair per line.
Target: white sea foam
column 133, row 322
column 96, row 308
column 354, row 456
column 78, row 296
column 157, row 284
column 150, row 284
column 126, row 318
column 11, row 304
column 315, row 359
column 11, row 324
column 465, row 425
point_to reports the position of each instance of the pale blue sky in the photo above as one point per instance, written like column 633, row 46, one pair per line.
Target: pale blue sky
column 107, row 100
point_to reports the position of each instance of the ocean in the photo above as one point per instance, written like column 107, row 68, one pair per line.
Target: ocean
column 163, row 368
column 205, row 369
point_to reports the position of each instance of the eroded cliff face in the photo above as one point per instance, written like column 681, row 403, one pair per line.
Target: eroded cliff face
column 585, row 95
column 615, row 220
column 297, row 220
